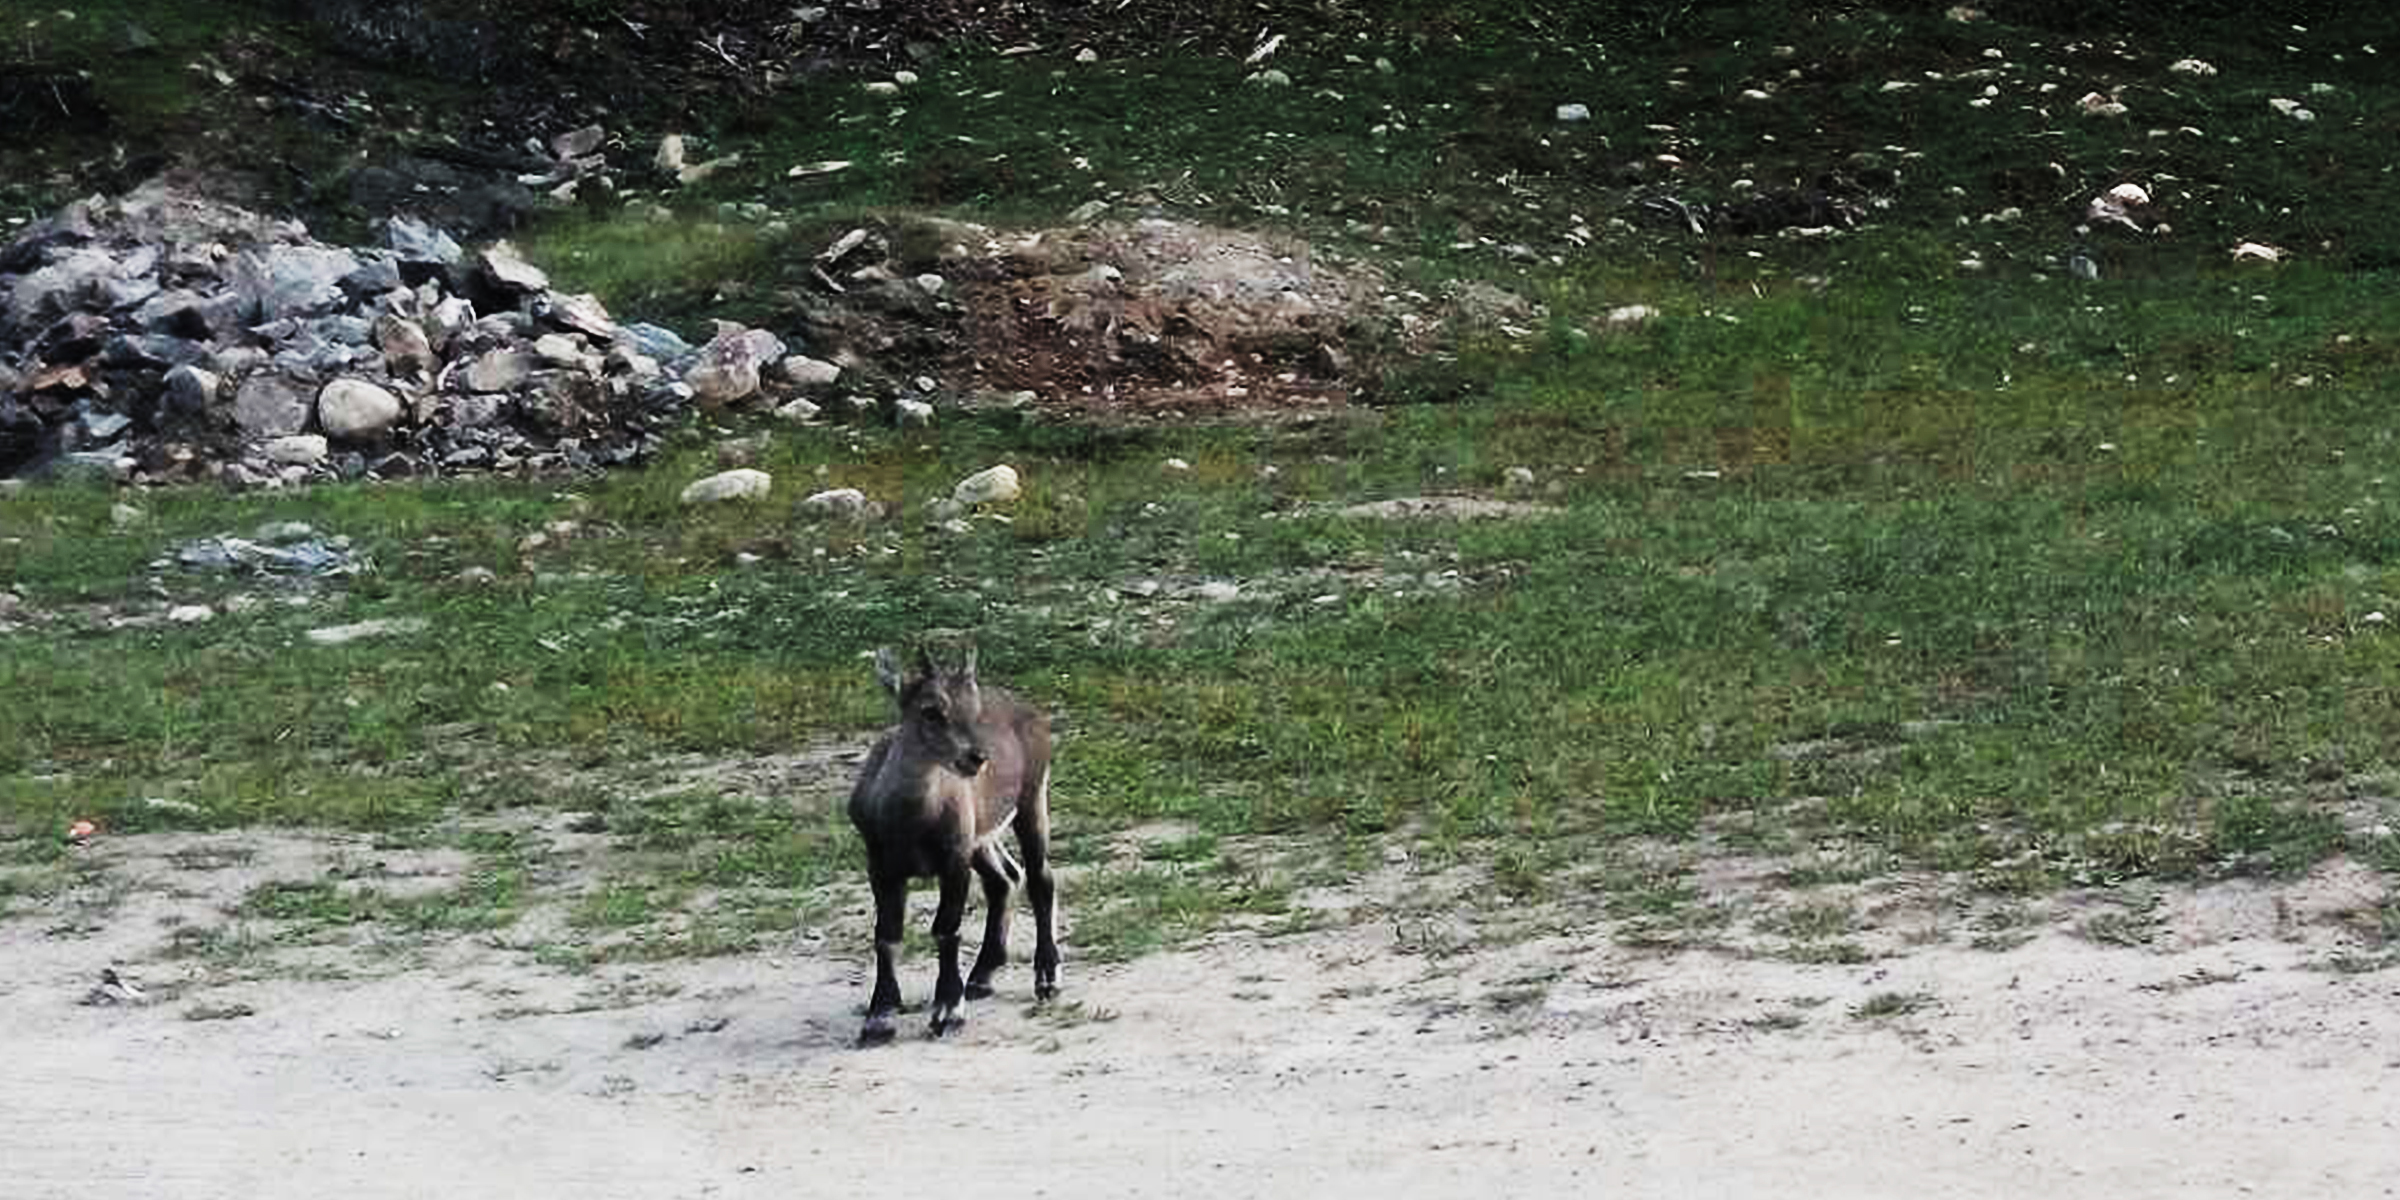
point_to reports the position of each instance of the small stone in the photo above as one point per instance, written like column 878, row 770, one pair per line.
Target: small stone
column 1519, row 477
column 1631, row 315
column 295, row 450
column 355, row 409
column 406, row 350
column 503, row 266
column 1177, row 465
column 501, row 370
column 1217, row 591
column 992, row 485
column 2375, row 618
column 558, row 350
column 477, row 576
column 912, row 413
column 803, row 371
column 669, row 158
column 125, row 515
column 718, row 384
column 190, row 614
column 797, row 410
column 1574, row 112
column 741, row 483
column 2196, row 68
column 1271, row 77
column 576, row 143
column 639, row 366
column 904, row 78
column 882, row 87
column 1087, row 55
column 932, row 283
column 2257, row 252
column 190, row 390
column 837, row 502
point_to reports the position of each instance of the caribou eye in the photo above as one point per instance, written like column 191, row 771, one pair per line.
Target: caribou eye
column 931, row 713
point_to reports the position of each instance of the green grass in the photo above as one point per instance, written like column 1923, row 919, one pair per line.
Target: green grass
column 2072, row 581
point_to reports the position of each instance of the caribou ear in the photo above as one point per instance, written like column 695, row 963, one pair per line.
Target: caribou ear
column 887, row 671
column 967, row 671
column 925, row 665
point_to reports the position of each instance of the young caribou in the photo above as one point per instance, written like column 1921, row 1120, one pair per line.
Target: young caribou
column 964, row 762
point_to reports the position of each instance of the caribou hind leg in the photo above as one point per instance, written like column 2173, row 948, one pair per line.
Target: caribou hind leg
column 999, row 873
column 1033, row 839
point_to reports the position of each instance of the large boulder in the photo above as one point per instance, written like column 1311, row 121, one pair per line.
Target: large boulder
column 356, row 410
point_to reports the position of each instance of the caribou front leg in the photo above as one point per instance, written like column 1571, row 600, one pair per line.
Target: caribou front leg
column 949, row 991
column 891, row 909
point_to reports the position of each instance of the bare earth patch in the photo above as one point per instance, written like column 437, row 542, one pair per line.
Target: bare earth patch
column 1426, row 1038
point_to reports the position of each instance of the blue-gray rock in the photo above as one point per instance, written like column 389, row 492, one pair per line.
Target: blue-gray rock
column 655, row 342
column 272, row 404
column 418, row 241
column 289, row 281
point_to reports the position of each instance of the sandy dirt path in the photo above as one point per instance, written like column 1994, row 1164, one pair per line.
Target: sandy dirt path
column 1340, row 1062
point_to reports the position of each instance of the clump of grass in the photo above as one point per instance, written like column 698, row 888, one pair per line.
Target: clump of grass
column 1884, row 1006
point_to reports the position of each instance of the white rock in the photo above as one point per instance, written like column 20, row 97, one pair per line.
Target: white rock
column 803, row 371
column 713, row 384
column 932, row 283
column 1271, row 77
column 1087, row 55
column 1177, row 465
column 2130, row 195
column 904, row 78
column 992, row 485
column 741, row 483
column 190, row 614
column 669, row 158
column 2094, row 104
column 1519, row 476
column 1574, row 112
column 125, row 515
column 297, row 450
column 882, row 87
column 912, row 413
column 798, row 410
column 1631, row 315
column 838, row 502
column 2257, row 252
column 2291, row 108
column 2193, row 67
column 335, row 635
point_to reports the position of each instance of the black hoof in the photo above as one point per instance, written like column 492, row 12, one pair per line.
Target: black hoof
column 947, row 1023
column 978, row 991
column 878, row 1030
column 1045, row 989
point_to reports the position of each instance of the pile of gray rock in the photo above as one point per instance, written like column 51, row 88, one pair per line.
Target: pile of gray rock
column 164, row 336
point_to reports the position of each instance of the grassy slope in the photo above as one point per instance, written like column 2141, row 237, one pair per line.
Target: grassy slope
column 2004, row 573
